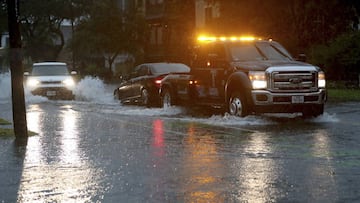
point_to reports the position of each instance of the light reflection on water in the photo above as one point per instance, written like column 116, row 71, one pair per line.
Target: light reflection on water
column 201, row 167
column 65, row 176
column 257, row 171
column 253, row 172
column 324, row 170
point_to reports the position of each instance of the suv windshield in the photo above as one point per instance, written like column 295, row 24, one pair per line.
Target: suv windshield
column 257, row 52
column 49, row 70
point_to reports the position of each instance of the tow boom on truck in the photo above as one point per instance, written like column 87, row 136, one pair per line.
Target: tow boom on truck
column 246, row 75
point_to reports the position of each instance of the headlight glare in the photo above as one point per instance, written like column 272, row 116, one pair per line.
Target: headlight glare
column 32, row 82
column 258, row 79
column 321, row 80
column 69, row 82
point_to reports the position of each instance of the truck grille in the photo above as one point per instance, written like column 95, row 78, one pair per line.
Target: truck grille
column 300, row 81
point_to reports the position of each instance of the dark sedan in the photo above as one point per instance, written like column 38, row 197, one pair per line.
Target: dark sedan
column 142, row 87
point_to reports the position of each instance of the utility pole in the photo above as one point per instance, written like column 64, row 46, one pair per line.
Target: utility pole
column 18, row 98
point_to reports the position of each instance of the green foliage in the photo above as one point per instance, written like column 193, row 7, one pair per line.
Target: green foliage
column 3, row 16
column 298, row 24
column 107, row 32
column 340, row 58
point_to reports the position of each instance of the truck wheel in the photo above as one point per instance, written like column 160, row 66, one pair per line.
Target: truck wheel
column 145, row 98
column 167, row 99
column 237, row 105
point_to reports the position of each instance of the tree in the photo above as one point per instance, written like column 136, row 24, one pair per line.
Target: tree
column 3, row 17
column 298, row 24
column 340, row 58
column 41, row 28
column 107, row 32
column 18, row 98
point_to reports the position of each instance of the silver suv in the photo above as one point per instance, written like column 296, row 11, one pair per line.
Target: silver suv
column 51, row 79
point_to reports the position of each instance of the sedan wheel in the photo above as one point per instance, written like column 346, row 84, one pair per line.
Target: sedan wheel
column 116, row 95
column 145, row 97
column 166, row 99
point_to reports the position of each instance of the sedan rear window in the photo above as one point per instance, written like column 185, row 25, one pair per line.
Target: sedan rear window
column 169, row 68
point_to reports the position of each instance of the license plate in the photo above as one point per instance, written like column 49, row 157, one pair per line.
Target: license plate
column 297, row 99
column 50, row 93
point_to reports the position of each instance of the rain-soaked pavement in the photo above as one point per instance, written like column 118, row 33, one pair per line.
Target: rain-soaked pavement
column 96, row 150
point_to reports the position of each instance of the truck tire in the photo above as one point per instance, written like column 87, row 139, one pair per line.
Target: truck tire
column 237, row 105
column 167, row 99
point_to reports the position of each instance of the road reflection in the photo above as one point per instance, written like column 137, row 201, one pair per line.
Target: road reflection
column 64, row 176
column 158, row 137
column 256, row 170
column 324, row 171
column 202, row 167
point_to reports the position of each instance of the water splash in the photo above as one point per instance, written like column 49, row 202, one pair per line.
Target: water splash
column 93, row 89
column 326, row 118
column 5, row 87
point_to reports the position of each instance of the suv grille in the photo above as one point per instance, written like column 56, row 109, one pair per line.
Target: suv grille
column 51, row 82
column 300, row 81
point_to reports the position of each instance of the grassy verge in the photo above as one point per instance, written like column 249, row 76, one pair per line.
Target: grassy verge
column 343, row 91
column 343, row 95
column 4, row 122
column 9, row 132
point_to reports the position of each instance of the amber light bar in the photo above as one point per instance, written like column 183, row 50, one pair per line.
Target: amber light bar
column 204, row 38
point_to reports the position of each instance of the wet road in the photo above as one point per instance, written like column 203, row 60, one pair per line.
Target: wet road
column 105, row 152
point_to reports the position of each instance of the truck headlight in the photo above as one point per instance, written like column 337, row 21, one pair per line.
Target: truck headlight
column 258, row 79
column 69, row 82
column 32, row 82
column 321, row 80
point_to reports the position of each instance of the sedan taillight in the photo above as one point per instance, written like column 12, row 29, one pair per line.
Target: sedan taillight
column 157, row 81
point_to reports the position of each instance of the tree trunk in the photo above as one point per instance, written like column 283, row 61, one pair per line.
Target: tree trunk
column 18, row 98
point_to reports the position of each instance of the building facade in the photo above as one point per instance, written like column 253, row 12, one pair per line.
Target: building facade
column 173, row 26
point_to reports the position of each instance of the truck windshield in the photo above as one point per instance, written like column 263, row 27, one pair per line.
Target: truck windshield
column 47, row 70
column 258, row 51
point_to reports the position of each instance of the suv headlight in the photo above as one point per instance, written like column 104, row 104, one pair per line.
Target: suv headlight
column 32, row 82
column 321, row 80
column 258, row 79
column 69, row 82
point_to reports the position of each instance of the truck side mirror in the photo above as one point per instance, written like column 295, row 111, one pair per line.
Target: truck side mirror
column 301, row 57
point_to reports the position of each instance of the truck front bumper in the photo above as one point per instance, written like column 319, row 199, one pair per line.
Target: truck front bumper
column 266, row 101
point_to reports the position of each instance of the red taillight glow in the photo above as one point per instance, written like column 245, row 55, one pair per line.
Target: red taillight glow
column 157, row 82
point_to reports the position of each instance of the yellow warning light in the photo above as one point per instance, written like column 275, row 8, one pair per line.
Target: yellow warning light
column 247, row 38
column 233, row 38
column 223, row 39
column 192, row 82
column 204, row 38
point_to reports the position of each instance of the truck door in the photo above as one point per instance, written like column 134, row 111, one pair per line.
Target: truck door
column 209, row 68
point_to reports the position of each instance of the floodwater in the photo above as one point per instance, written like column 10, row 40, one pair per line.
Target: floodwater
column 94, row 149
